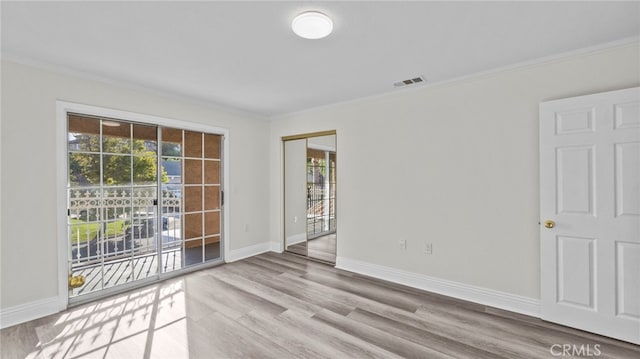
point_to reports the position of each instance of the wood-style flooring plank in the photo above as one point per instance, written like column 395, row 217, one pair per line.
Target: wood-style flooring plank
column 584, row 336
column 217, row 336
column 279, row 267
column 310, row 338
column 273, row 295
column 380, row 338
column 305, row 291
column 227, row 299
column 366, row 290
column 425, row 338
column 292, row 259
column 285, row 306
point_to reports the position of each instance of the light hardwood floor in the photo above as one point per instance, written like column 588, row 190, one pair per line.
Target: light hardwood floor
column 283, row 306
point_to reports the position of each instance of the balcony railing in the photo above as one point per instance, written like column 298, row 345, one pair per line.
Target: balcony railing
column 120, row 222
column 321, row 209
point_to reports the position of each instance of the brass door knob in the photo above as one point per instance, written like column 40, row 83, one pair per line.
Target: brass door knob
column 549, row 223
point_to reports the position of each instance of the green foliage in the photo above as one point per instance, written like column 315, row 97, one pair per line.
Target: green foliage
column 84, row 168
column 171, row 149
column 82, row 232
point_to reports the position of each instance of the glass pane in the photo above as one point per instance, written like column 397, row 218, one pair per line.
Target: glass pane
column 143, row 233
column 84, row 134
column 192, row 198
column 171, row 199
column 93, row 278
column 80, row 234
column 193, row 225
column 171, row 231
column 212, row 172
column 145, row 266
column 147, row 135
column 144, row 198
column 192, row 144
column 117, row 271
column 212, row 223
column 192, row 171
column 117, row 204
column 171, row 142
column 171, row 170
column 212, row 248
column 171, row 228
column 84, row 169
column 171, row 259
column 117, row 170
column 141, row 228
column 193, row 252
column 212, row 146
column 211, row 197
column 145, row 170
column 116, row 137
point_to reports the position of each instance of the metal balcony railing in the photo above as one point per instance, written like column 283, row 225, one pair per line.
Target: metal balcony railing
column 120, row 222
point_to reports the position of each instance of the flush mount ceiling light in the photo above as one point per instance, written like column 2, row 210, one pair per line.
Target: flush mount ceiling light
column 312, row 25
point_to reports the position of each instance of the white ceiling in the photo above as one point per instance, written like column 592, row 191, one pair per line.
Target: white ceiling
column 243, row 54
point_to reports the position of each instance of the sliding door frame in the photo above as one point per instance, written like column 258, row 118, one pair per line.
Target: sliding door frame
column 63, row 108
column 306, row 137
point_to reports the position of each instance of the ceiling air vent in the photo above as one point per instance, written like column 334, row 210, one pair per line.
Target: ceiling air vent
column 415, row 80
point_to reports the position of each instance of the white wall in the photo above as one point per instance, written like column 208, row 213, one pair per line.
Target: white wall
column 453, row 164
column 28, row 227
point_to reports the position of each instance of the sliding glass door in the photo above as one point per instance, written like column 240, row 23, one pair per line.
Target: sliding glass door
column 142, row 201
column 193, row 230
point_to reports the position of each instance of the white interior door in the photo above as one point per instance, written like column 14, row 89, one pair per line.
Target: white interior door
column 590, row 189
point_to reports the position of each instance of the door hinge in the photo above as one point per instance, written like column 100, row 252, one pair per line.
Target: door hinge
column 68, row 212
column 221, row 198
column 155, row 202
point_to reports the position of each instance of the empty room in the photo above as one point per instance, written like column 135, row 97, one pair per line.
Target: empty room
column 320, row 179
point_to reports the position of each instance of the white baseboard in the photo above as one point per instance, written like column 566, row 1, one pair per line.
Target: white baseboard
column 30, row 311
column 276, row 247
column 489, row 297
column 237, row 254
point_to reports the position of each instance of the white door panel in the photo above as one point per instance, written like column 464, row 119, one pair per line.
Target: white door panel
column 590, row 188
column 576, row 282
column 627, row 278
column 627, row 170
column 575, row 180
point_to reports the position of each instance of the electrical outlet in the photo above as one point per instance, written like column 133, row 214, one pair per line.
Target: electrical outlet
column 246, row 227
column 403, row 243
column 428, row 248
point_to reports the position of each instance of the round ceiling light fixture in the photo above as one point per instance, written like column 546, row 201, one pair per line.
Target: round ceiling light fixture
column 312, row 25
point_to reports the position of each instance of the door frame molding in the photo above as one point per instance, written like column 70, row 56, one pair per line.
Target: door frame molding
column 64, row 107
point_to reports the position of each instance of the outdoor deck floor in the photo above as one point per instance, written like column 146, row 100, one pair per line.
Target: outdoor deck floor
column 125, row 270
